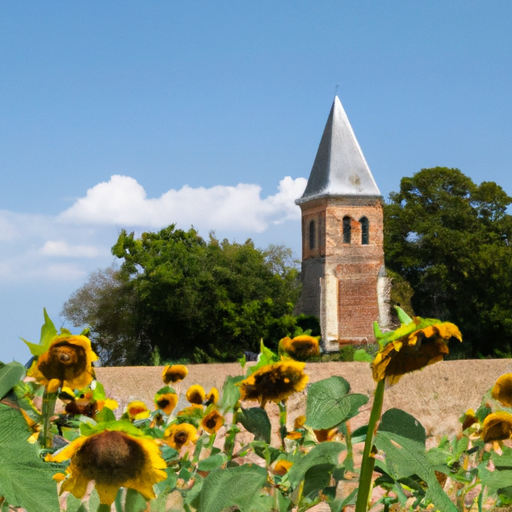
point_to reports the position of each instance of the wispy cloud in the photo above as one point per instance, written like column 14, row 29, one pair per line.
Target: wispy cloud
column 63, row 249
column 123, row 201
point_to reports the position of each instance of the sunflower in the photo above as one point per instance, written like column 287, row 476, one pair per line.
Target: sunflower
column 212, row 397
column 174, row 373
column 196, row 394
column 137, row 410
column 83, row 403
column 325, row 434
column 502, row 390
column 282, row 467
column 113, row 459
column 468, row 419
column 212, row 421
column 299, row 422
column 497, row 426
column 178, row 435
column 275, row 382
column 67, row 362
column 166, row 402
column 301, row 347
column 412, row 347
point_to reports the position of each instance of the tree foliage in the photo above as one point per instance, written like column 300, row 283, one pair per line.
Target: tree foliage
column 186, row 297
column 450, row 238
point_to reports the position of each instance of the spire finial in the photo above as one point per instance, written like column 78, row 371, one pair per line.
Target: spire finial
column 336, row 91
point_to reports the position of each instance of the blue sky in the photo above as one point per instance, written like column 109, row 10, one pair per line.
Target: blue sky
column 139, row 114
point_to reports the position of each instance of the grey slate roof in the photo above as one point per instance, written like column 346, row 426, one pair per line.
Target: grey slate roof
column 340, row 168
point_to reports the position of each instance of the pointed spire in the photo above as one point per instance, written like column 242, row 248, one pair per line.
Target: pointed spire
column 340, row 168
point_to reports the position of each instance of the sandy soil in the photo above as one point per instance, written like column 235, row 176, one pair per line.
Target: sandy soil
column 436, row 395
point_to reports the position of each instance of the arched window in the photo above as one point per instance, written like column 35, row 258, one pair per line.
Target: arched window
column 365, row 230
column 347, row 229
column 312, row 234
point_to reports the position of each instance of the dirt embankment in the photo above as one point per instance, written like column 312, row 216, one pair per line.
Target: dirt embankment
column 436, row 395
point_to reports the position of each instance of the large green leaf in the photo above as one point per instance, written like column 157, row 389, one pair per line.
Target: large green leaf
column 233, row 486
column 329, row 404
column 25, row 480
column 497, row 479
column 402, row 438
column 10, row 375
column 134, row 501
column 212, row 462
column 504, row 460
column 321, row 454
column 255, row 420
column 317, row 478
column 230, row 393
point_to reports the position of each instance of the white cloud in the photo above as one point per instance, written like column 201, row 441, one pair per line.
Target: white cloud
column 123, row 201
column 62, row 248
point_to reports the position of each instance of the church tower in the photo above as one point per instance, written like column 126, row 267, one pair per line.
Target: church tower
column 343, row 273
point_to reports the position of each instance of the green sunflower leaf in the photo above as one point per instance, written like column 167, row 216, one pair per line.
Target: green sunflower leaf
column 98, row 391
column 48, row 331
column 25, row 480
column 212, row 462
column 321, row 454
column 329, row 403
column 265, row 358
column 403, row 316
column 10, row 375
column 317, row 478
column 230, row 393
column 238, row 486
column 35, row 350
column 255, row 420
column 402, row 438
column 134, row 501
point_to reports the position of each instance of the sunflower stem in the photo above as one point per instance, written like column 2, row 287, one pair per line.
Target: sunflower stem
column 282, row 423
column 229, row 443
column 368, row 462
column 49, row 400
column 349, row 459
column 211, row 441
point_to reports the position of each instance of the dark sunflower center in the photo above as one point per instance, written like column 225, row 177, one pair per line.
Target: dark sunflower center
column 64, row 361
column 111, row 458
column 211, row 423
column 163, row 403
column 180, row 438
column 195, row 398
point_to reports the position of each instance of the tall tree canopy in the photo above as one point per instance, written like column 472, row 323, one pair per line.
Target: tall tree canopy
column 451, row 239
column 187, row 297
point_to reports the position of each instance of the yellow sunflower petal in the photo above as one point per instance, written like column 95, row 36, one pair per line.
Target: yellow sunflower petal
column 196, row 394
column 497, row 426
column 502, row 390
column 282, row 467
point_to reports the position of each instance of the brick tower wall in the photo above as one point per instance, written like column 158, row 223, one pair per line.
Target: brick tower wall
column 352, row 303
column 355, row 265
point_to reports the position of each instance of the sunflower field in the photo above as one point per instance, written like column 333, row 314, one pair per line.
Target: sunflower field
column 64, row 446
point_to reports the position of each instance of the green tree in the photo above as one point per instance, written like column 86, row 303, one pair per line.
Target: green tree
column 187, row 297
column 450, row 239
